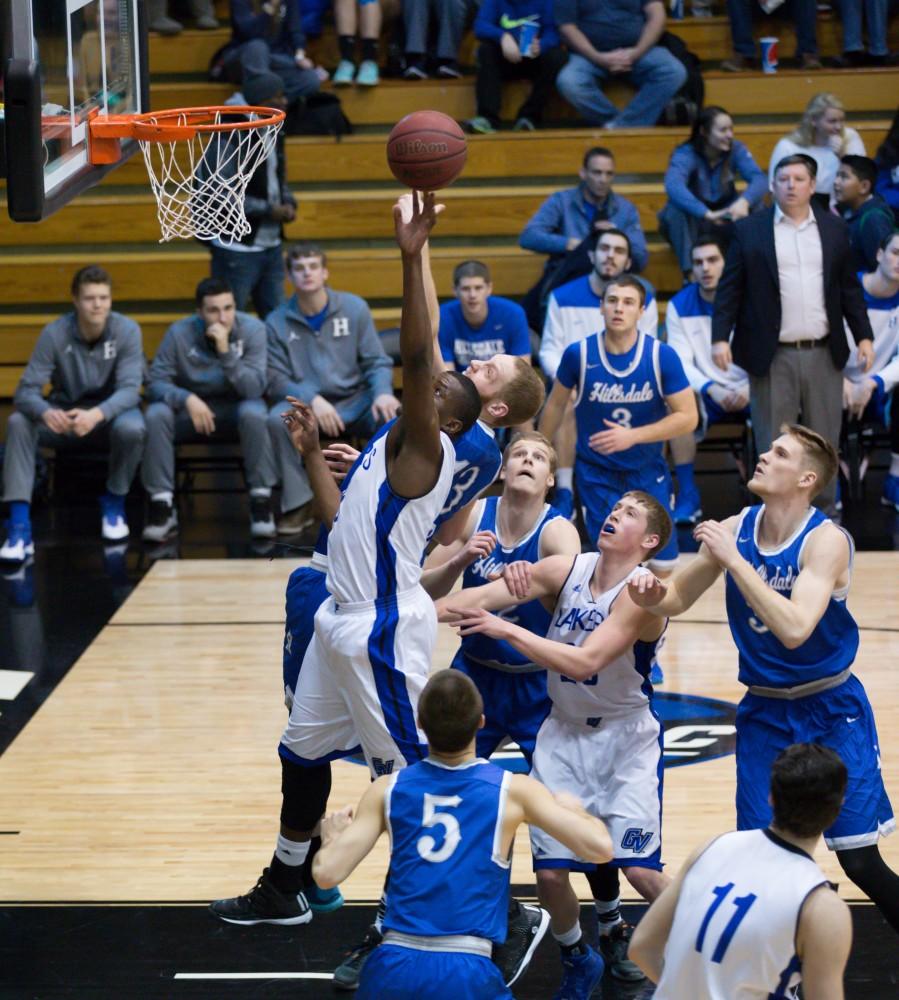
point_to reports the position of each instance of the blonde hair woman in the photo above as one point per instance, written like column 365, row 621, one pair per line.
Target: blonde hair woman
column 823, row 135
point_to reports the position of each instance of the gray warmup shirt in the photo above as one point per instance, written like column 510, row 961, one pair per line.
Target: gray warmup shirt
column 342, row 358
column 106, row 373
column 187, row 363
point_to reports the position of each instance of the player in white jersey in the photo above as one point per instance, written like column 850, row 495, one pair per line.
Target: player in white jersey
column 870, row 396
column 601, row 741
column 721, row 394
column 751, row 913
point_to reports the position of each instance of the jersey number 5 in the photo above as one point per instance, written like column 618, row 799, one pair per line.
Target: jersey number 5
column 741, row 906
column 452, row 835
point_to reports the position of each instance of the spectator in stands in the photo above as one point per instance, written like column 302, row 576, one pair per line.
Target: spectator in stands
column 479, row 324
column 869, row 217
column 573, row 313
column 449, row 17
column 887, row 160
column 617, row 38
column 573, row 310
column 158, row 18
column 854, row 55
column 93, row 361
column 323, row 349
column 872, row 396
column 722, row 395
column 701, row 184
column 206, row 384
column 518, row 38
column 740, row 13
column 267, row 37
column 565, row 225
column 787, row 320
column 357, row 18
column 823, row 135
column 253, row 265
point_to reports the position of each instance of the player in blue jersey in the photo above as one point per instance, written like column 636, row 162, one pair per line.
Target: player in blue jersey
column 478, row 324
column 602, row 740
column 722, row 394
column 788, row 570
column 750, row 912
column 452, row 820
column 631, row 395
column 870, row 396
column 523, row 527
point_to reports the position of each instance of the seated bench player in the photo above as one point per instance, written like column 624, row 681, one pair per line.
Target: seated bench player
column 93, row 361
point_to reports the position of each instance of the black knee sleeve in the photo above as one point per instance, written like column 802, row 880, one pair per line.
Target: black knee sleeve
column 870, row 873
column 604, row 883
column 304, row 794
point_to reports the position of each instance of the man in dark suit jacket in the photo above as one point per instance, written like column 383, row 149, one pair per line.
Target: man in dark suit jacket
column 787, row 286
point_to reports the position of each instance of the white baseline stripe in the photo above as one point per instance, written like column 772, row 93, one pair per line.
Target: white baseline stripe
column 254, row 975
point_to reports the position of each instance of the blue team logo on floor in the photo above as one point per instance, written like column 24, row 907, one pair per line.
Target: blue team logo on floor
column 696, row 729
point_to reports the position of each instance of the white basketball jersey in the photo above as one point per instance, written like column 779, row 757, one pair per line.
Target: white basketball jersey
column 733, row 936
column 623, row 685
column 377, row 543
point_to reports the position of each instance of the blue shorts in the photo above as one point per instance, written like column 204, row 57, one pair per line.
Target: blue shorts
column 306, row 592
column 599, row 491
column 712, row 413
column 841, row 719
column 408, row 974
column 515, row 705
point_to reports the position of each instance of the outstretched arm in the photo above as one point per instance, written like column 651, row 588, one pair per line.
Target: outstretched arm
column 554, row 409
column 791, row 619
column 347, row 839
column 606, row 642
column 303, row 429
column 680, row 592
column 546, row 579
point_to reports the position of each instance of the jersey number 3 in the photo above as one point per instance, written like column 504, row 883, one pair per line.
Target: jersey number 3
column 431, row 817
column 741, row 906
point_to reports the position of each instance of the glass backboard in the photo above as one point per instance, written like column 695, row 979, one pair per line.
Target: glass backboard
column 69, row 60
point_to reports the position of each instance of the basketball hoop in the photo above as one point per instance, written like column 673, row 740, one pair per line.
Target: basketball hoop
column 199, row 160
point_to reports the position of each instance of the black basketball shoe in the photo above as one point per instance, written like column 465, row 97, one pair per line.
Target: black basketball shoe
column 527, row 925
column 346, row 975
column 613, row 947
column 263, row 904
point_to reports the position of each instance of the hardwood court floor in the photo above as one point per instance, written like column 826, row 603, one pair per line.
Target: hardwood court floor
column 151, row 774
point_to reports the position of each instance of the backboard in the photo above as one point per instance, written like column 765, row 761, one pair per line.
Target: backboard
column 69, row 60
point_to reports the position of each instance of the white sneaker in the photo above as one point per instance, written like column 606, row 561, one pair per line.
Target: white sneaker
column 18, row 545
column 162, row 520
column 262, row 521
column 113, row 526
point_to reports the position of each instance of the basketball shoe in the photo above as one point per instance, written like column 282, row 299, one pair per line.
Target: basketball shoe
column 580, row 974
column 613, row 947
column 346, row 975
column 263, row 904
column 526, row 928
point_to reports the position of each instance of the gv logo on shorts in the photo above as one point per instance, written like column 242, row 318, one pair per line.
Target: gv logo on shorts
column 636, row 840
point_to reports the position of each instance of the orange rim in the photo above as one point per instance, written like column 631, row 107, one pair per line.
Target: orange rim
column 180, row 123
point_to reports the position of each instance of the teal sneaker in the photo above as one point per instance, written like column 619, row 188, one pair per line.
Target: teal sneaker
column 369, row 75
column 323, row 900
column 344, row 74
column 479, row 125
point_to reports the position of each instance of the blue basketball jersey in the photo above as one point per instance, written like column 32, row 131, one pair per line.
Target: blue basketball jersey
column 478, row 461
column 448, row 874
column 532, row 616
column 626, row 389
column 764, row 660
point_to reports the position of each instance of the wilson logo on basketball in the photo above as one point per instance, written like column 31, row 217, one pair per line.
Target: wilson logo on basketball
column 414, row 147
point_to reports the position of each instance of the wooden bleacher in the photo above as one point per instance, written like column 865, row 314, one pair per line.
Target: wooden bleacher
column 345, row 190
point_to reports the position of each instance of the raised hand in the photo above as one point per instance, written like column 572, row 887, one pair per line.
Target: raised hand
column 719, row 541
column 412, row 232
column 647, row 590
column 301, row 425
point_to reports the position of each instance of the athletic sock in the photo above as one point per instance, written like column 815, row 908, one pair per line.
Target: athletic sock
column 608, row 914
column 370, row 49
column 261, row 491
column 287, row 864
column 347, row 45
column 684, row 477
column 894, row 464
column 20, row 513
column 571, row 941
column 565, row 478
column 165, row 495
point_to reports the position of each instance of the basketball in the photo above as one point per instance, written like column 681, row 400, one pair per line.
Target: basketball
column 426, row 150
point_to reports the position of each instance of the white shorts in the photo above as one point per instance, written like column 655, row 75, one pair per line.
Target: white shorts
column 360, row 682
column 615, row 769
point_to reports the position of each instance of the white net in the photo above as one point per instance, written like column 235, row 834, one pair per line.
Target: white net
column 200, row 182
